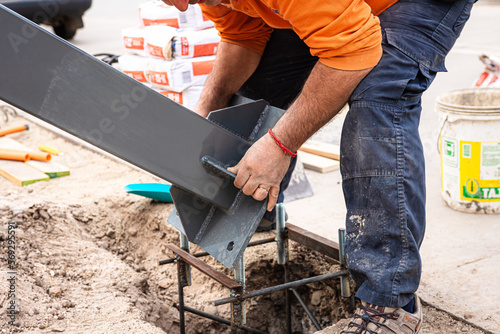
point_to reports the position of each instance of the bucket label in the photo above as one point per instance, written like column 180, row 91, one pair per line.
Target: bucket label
column 450, row 152
column 481, row 193
column 490, row 161
column 471, row 169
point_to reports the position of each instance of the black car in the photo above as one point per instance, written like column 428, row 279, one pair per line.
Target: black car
column 65, row 16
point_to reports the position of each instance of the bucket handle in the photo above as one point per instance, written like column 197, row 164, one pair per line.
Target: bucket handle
column 440, row 132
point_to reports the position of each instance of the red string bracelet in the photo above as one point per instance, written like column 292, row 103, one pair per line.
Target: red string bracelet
column 283, row 147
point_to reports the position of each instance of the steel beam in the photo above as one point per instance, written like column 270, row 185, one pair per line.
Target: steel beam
column 56, row 82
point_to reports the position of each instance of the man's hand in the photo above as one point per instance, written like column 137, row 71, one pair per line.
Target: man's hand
column 260, row 171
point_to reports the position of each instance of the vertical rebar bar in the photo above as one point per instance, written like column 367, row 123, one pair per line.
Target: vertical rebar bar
column 180, row 286
column 282, row 243
column 288, row 301
column 345, row 289
column 184, row 244
column 239, row 276
column 280, row 233
column 236, row 310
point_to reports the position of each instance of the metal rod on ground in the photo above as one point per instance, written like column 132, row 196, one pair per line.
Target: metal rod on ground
column 201, row 254
column 282, row 287
column 308, row 311
column 215, row 318
column 345, row 289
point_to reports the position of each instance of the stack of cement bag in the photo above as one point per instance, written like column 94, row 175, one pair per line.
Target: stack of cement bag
column 171, row 51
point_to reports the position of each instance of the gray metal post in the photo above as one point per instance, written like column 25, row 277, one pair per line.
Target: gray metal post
column 180, row 285
column 282, row 242
column 184, row 243
column 345, row 289
column 280, row 234
column 239, row 276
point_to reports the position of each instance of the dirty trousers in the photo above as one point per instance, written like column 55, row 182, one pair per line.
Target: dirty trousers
column 382, row 161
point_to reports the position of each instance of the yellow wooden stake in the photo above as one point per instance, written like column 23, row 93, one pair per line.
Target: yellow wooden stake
column 49, row 149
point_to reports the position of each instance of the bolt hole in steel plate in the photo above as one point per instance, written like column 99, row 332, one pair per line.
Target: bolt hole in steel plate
column 230, row 246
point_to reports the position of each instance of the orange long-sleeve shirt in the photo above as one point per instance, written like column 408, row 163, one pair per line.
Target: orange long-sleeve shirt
column 344, row 34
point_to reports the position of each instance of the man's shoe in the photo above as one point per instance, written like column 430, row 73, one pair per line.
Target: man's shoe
column 372, row 319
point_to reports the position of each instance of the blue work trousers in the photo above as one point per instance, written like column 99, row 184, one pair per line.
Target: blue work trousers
column 382, row 161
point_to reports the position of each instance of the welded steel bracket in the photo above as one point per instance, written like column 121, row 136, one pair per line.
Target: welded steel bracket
column 76, row 92
column 225, row 235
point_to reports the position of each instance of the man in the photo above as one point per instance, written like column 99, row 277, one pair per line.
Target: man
column 377, row 55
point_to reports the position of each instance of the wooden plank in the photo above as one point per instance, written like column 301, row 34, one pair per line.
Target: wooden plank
column 51, row 168
column 317, row 163
column 326, row 150
column 20, row 173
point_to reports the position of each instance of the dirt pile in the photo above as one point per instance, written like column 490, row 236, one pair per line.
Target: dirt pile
column 95, row 269
column 67, row 282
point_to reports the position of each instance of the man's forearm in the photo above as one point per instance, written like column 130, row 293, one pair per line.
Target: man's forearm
column 324, row 94
column 263, row 166
column 234, row 64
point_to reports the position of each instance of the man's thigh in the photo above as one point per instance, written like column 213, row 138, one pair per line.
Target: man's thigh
column 417, row 36
column 282, row 71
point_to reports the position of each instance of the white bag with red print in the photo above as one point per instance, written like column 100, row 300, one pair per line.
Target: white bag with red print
column 191, row 44
column 177, row 75
column 202, row 22
column 156, row 12
column 188, row 98
column 134, row 40
column 135, row 67
column 158, row 41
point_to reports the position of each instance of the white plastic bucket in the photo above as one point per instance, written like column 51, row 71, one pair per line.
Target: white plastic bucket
column 469, row 144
